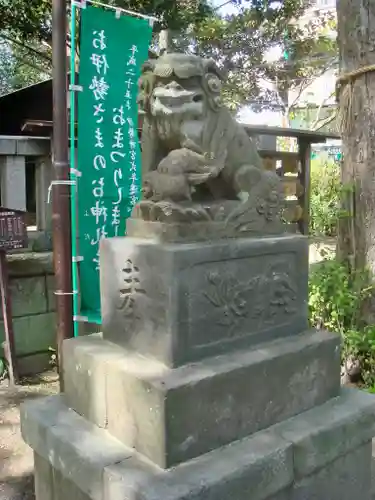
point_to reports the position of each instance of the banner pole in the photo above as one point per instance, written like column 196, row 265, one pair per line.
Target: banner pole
column 61, row 188
column 73, row 171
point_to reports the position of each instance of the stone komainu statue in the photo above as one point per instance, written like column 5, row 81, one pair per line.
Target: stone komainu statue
column 198, row 163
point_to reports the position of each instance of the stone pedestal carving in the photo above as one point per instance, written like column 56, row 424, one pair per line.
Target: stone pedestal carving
column 206, row 382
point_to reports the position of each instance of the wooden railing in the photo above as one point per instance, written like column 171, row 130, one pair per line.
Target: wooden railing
column 294, row 170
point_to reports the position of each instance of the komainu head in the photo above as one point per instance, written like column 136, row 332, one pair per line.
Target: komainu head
column 179, row 85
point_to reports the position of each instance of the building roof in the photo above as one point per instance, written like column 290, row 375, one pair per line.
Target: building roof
column 29, row 103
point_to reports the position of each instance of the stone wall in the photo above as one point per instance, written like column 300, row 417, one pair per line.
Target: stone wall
column 33, row 307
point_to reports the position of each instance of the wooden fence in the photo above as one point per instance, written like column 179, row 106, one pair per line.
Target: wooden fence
column 293, row 168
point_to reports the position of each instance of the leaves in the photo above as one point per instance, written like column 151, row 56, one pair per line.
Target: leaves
column 326, row 190
column 240, row 43
column 27, row 19
column 336, row 295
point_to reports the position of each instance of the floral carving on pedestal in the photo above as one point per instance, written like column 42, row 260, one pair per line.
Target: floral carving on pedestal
column 228, row 295
column 266, row 297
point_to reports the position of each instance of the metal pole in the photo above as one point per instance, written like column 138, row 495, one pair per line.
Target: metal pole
column 62, row 247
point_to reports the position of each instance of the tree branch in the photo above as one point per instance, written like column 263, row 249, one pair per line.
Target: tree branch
column 317, row 120
column 308, row 81
column 325, row 122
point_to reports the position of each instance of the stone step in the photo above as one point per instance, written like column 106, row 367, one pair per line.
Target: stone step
column 322, row 454
column 173, row 415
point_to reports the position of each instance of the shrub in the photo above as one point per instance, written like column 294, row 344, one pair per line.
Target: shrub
column 325, row 197
column 336, row 295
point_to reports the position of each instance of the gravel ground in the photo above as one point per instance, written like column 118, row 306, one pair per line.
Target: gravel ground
column 16, row 458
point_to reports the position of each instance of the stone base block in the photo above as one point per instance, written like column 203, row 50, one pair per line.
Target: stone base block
column 34, row 363
column 346, row 478
column 173, row 415
column 326, row 458
column 180, row 303
column 50, row 484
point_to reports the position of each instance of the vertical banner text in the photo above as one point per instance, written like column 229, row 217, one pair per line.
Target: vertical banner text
column 112, row 52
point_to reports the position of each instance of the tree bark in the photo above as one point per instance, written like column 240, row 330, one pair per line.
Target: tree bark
column 165, row 41
column 356, row 38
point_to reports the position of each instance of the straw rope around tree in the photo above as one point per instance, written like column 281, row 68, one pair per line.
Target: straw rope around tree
column 345, row 94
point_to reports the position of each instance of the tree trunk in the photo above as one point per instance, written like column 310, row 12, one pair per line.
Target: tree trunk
column 165, row 41
column 356, row 38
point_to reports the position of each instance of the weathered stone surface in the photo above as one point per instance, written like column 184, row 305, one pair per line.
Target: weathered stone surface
column 260, row 467
column 341, row 425
column 43, row 479
column 281, row 495
column 85, row 370
column 348, row 478
column 37, row 417
column 182, row 232
column 33, row 333
column 254, row 468
column 30, row 264
column 183, row 302
column 13, row 182
column 195, row 154
column 51, row 297
column 32, row 364
column 28, row 296
column 50, row 484
column 103, row 469
column 42, row 241
column 76, row 448
column 173, row 415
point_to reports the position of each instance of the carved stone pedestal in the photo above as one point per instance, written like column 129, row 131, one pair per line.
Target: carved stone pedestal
column 206, row 384
column 183, row 302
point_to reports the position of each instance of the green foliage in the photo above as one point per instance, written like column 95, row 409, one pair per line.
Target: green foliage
column 336, row 297
column 238, row 42
column 241, row 44
column 326, row 192
column 32, row 19
column 26, row 19
column 20, row 68
column 6, row 67
column 338, row 293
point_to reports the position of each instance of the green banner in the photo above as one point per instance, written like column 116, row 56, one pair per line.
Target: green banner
column 113, row 48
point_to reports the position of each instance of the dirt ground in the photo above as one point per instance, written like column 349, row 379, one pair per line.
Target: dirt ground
column 16, row 459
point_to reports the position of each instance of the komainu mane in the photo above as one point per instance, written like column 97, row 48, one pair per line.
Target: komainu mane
column 198, row 163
